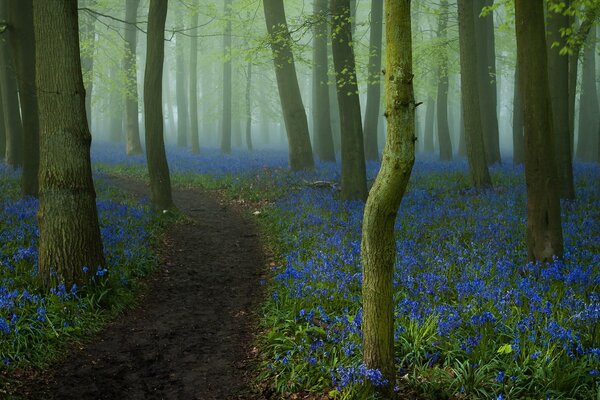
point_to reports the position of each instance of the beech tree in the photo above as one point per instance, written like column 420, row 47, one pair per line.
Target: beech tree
column 442, row 89
column 132, row 126
column 68, row 219
column 181, row 91
column 194, row 82
column 544, row 232
column 354, row 178
column 587, row 139
column 294, row 115
column 158, row 168
column 470, row 93
column 226, row 120
column 378, row 246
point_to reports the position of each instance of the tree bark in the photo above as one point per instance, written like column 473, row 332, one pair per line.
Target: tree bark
column 322, row 131
column 354, row 179
column 486, row 75
column 544, row 233
column 588, row 103
column 226, row 120
column 2, row 127
column 194, row 83
column 476, row 155
column 558, row 70
column 378, row 245
column 132, row 125
column 429, row 119
column 158, row 168
column 68, row 219
column 115, row 106
column 300, row 150
column 517, row 123
column 374, row 81
column 462, row 140
column 442, row 89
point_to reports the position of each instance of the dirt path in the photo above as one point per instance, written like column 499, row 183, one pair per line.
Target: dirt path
column 191, row 335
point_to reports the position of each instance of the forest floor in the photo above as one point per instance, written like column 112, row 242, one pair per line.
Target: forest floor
column 191, row 334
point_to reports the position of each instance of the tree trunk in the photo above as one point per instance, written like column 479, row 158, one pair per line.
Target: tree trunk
column 194, row 83
column 480, row 175
column 2, row 128
column 486, row 75
column 374, row 81
column 544, row 233
column 429, row 117
column 115, row 107
column 300, row 150
column 180, row 88
column 462, row 141
column 322, row 132
column 23, row 46
column 442, row 89
column 10, row 98
column 158, row 168
column 354, row 180
column 68, row 219
column 558, row 70
column 226, row 120
column 378, row 246
column 132, row 125
column 168, row 100
column 588, row 103
column 249, row 106
column 517, row 123
column 88, row 39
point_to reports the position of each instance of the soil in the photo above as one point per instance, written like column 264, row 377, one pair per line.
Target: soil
column 191, row 335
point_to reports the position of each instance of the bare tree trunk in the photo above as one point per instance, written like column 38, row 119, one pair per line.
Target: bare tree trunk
column 88, row 38
column 68, row 219
column 429, row 117
column 132, row 125
column 249, row 106
column 226, row 120
column 354, row 179
column 378, row 246
column 182, row 104
column 296, row 124
column 158, row 168
column 322, row 131
column 480, row 175
column 517, row 123
column 588, row 103
column 544, row 233
column 374, row 81
column 442, row 89
column 194, row 83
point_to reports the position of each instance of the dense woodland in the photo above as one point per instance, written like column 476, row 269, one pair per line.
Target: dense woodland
column 364, row 198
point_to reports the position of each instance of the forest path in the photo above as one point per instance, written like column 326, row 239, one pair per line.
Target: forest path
column 190, row 337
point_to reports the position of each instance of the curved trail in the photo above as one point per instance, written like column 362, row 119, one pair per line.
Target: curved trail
column 191, row 335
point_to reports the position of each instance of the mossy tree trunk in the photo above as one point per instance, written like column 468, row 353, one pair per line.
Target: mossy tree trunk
column 544, row 232
column 470, row 93
column 158, row 168
column 442, row 89
column 226, row 119
column 322, row 132
column 68, row 219
column 294, row 115
column 373, row 81
column 378, row 246
column 194, row 83
column 354, row 178
column 558, row 71
column 132, row 125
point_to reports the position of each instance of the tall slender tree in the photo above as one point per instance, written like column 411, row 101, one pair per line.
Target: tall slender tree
column 249, row 105
column 588, row 103
column 2, row 129
column 194, row 82
column 558, row 71
column 68, row 219
column 322, row 133
column 294, row 115
column 158, row 168
column 181, row 91
column 374, row 81
column 88, row 38
column 544, row 232
column 517, row 123
column 378, row 246
column 132, row 125
column 354, row 180
column 226, row 119
column 469, row 85
column 442, row 89
column 429, row 127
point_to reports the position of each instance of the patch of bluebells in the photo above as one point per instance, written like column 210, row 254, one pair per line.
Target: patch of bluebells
column 26, row 315
column 461, row 260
